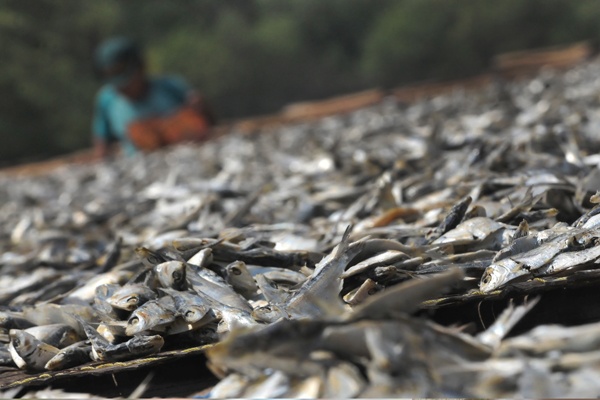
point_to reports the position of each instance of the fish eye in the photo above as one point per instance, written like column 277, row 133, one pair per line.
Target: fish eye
column 274, row 284
column 177, row 275
column 134, row 321
column 236, row 271
column 132, row 300
column 486, row 279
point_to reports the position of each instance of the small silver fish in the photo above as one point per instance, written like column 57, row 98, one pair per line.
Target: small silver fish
column 571, row 260
column 499, row 273
column 153, row 315
column 233, row 318
column 150, row 258
column 131, row 296
column 280, row 275
column 101, row 305
column 324, row 285
column 201, row 258
column 523, row 264
column 71, row 356
column 57, row 335
column 470, row 231
column 191, row 307
column 368, row 288
column 386, row 258
column 172, row 274
column 241, row 280
column 517, row 246
column 28, row 352
column 138, row 346
column 209, row 284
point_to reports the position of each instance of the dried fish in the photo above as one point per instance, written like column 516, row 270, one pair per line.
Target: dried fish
column 483, row 196
column 241, row 280
column 135, row 347
column 325, row 284
column 70, row 356
column 172, row 274
column 131, row 296
column 57, row 335
column 385, row 258
column 154, row 315
column 29, row 352
column 190, row 307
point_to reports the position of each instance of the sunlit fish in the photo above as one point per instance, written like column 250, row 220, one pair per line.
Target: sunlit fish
column 71, row 356
column 29, row 352
column 324, row 286
column 131, row 296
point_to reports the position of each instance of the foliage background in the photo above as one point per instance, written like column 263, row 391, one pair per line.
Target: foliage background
column 251, row 57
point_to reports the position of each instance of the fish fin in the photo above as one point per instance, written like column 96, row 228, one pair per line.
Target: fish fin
column 344, row 243
column 91, row 333
column 330, row 310
column 505, row 322
column 405, row 297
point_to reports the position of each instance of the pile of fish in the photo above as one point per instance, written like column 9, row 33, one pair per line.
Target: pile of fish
column 301, row 254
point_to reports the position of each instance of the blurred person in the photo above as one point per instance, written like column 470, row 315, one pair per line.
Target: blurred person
column 142, row 112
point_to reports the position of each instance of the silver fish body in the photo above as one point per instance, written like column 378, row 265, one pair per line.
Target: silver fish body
column 325, row 284
column 153, row 315
column 57, row 335
column 385, row 258
column 28, row 352
column 172, row 274
column 217, row 289
column 131, row 296
column 571, row 260
column 191, row 307
column 71, row 356
column 241, row 280
column 501, row 272
column 138, row 346
column 201, row 258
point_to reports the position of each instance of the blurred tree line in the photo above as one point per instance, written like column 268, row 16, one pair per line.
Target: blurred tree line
column 253, row 56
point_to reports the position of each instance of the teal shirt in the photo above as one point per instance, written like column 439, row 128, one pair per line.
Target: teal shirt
column 114, row 112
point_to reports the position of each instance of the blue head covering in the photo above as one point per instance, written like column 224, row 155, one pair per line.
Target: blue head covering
column 116, row 59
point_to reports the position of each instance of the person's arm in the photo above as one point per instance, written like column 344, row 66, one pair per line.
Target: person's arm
column 190, row 98
column 101, row 128
column 101, row 149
